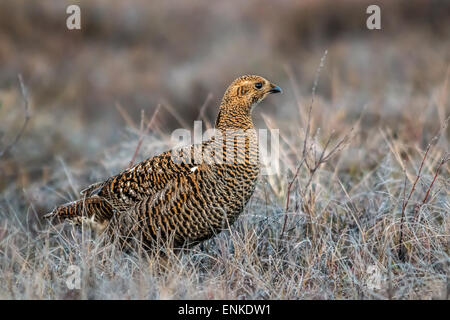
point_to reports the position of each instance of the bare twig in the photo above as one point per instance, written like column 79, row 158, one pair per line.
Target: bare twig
column 444, row 159
column 24, row 93
column 401, row 250
column 174, row 113
column 404, row 189
column 323, row 157
column 125, row 115
column 405, row 203
column 305, row 142
column 201, row 114
column 143, row 132
column 316, row 81
column 339, row 146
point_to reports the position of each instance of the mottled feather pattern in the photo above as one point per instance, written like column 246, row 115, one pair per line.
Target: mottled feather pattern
column 165, row 198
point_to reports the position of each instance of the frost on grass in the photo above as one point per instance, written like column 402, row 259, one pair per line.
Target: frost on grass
column 337, row 239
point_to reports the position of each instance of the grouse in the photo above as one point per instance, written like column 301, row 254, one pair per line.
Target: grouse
column 188, row 194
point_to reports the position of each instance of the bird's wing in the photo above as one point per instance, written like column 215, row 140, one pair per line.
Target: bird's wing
column 139, row 182
column 158, row 211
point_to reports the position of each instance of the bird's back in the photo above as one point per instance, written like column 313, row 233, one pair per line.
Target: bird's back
column 167, row 196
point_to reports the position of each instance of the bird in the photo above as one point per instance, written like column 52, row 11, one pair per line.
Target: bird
column 187, row 195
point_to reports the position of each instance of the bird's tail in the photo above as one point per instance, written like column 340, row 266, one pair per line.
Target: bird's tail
column 94, row 208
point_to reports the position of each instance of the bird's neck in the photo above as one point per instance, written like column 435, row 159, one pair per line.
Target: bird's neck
column 230, row 117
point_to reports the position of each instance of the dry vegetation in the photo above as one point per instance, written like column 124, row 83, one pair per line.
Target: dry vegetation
column 364, row 177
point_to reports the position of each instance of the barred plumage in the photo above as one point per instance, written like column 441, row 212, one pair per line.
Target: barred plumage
column 187, row 201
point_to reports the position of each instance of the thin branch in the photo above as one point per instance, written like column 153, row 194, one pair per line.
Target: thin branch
column 445, row 159
column 316, row 82
column 201, row 114
column 24, row 93
column 321, row 158
column 307, row 147
column 401, row 250
column 415, row 181
column 404, row 189
column 339, row 146
column 174, row 113
column 143, row 132
column 125, row 115
column 305, row 142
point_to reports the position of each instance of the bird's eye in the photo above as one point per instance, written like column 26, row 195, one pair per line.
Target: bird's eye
column 258, row 85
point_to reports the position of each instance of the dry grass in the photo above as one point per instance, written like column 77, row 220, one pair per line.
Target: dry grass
column 337, row 225
column 363, row 186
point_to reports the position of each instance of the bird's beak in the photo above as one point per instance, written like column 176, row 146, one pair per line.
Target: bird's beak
column 275, row 89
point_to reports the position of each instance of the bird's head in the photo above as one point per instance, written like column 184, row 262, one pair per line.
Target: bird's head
column 249, row 90
column 239, row 99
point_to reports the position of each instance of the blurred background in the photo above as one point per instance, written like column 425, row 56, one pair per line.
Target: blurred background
column 87, row 87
